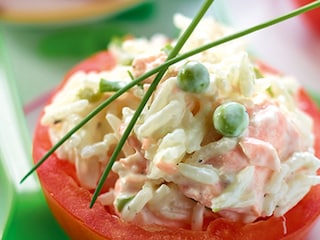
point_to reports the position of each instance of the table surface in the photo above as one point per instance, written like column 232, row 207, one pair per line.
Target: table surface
column 40, row 56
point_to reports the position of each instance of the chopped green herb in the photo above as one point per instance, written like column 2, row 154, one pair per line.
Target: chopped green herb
column 89, row 94
column 258, row 73
column 127, row 61
column 140, row 84
column 121, row 202
column 116, row 41
column 109, row 86
column 167, row 48
column 270, row 92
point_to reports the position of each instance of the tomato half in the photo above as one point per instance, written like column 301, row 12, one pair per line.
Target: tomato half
column 312, row 18
column 70, row 203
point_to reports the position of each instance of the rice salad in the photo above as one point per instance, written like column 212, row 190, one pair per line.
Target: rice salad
column 177, row 168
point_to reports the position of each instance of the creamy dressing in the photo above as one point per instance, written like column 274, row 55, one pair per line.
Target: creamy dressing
column 175, row 168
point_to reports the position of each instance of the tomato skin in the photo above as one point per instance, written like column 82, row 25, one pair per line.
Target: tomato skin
column 70, row 203
column 312, row 18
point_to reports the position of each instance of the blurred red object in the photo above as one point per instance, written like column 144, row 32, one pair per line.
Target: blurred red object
column 311, row 18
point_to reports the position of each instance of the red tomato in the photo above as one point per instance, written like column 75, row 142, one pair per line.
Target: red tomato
column 70, row 203
column 312, row 18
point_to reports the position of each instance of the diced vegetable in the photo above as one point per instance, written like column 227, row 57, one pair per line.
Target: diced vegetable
column 109, row 86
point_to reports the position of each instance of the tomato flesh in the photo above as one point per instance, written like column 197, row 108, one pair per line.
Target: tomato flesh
column 70, row 203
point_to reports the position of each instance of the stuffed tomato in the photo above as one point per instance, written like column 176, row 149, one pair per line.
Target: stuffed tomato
column 225, row 148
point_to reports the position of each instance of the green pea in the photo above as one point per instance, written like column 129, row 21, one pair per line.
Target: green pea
column 193, row 77
column 230, row 119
